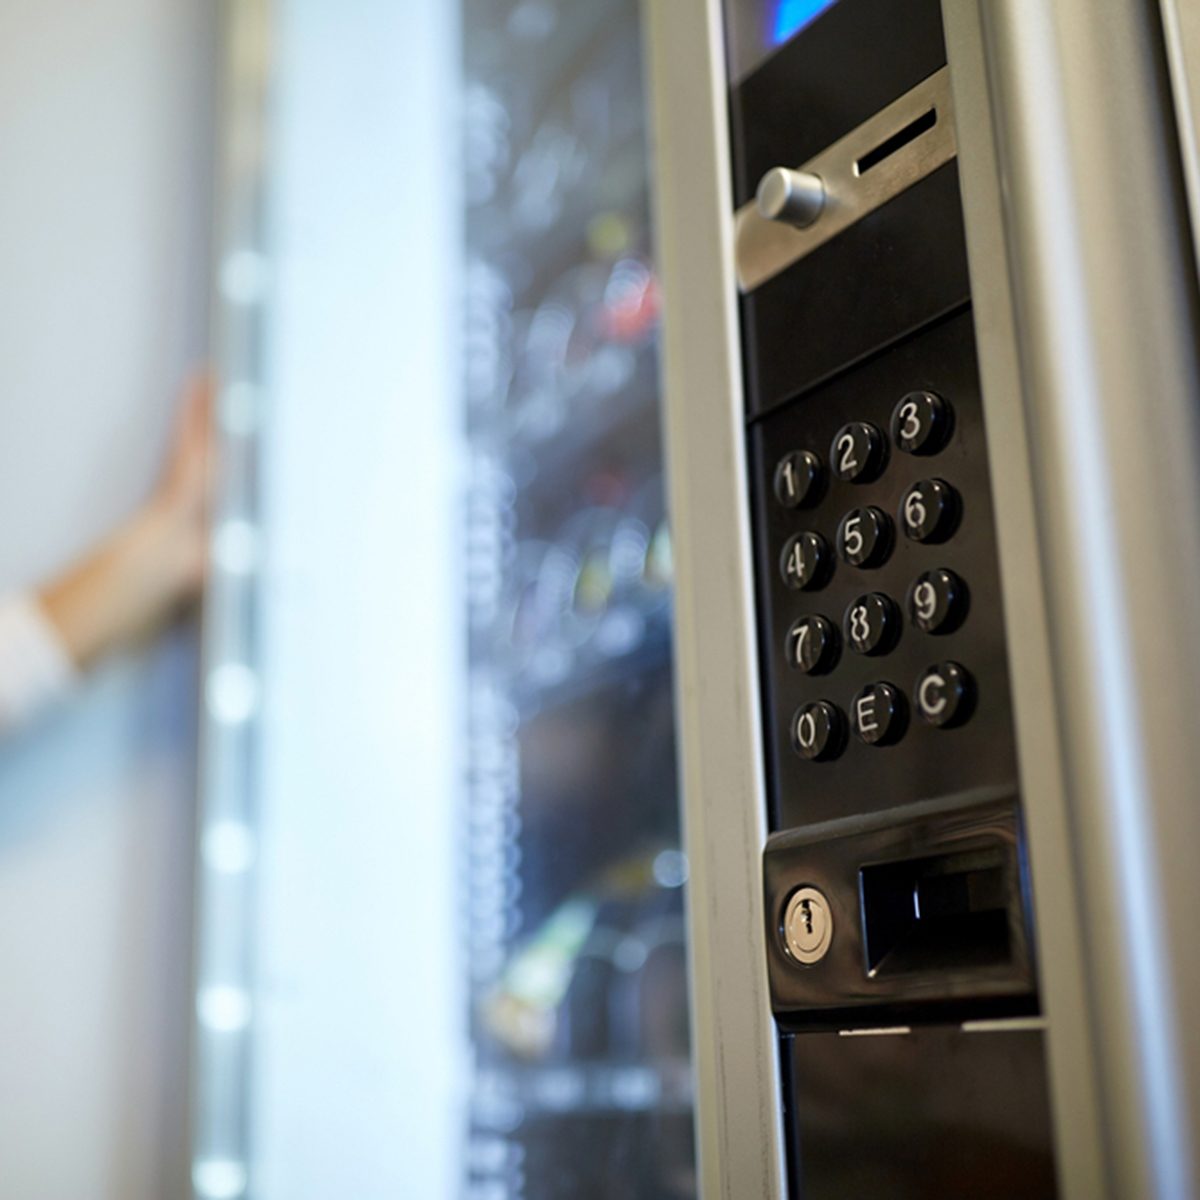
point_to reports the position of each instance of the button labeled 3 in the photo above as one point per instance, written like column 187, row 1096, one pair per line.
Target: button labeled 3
column 807, row 926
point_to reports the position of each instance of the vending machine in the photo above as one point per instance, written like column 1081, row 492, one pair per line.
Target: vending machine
column 930, row 338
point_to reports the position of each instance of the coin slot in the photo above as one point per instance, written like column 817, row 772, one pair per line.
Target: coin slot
column 950, row 911
column 901, row 138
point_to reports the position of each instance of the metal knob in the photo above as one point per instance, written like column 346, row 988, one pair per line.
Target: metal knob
column 794, row 197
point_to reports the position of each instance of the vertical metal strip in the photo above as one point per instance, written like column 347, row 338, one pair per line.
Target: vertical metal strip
column 1079, row 1141
column 226, row 810
column 736, row 1045
column 1104, row 306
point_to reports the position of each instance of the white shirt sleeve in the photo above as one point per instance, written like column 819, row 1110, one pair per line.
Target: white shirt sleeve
column 35, row 667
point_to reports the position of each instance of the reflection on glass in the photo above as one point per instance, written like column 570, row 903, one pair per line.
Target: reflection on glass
column 576, row 930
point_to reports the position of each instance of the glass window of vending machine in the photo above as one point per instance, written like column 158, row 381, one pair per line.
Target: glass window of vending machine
column 440, row 926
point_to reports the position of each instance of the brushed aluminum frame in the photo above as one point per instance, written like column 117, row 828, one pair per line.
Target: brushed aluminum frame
column 765, row 247
column 1181, row 29
column 739, row 1108
column 1085, row 307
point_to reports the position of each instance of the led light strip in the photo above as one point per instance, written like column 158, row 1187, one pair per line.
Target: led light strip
column 226, row 819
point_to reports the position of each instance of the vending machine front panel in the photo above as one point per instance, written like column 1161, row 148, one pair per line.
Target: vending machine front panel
column 898, row 910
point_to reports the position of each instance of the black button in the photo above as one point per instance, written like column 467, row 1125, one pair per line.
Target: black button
column 937, row 601
column 929, row 510
column 945, row 694
column 804, row 561
column 819, row 730
column 864, row 537
column 921, row 423
column 858, row 452
column 797, row 478
column 812, row 644
column 879, row 714
column 872, row 624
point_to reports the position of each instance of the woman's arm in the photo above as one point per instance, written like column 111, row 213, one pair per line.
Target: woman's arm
column 133, row 582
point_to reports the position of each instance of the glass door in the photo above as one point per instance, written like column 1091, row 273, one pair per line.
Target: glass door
column 576, row 940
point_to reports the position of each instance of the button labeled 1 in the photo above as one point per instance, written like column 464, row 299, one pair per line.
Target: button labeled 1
column 797, row 478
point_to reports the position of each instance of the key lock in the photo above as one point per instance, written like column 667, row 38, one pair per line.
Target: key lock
column 807, row 926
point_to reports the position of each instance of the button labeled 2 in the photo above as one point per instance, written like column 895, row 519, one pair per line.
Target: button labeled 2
column 858, row 452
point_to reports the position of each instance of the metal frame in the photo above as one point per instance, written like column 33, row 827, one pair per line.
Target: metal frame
column 1077, row 222
column 739, row 1109
column 225, row 876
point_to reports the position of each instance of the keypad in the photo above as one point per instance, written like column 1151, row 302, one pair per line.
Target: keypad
column 895, row 587
column 873, row 623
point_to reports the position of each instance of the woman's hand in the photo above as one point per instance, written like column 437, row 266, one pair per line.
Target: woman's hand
column 154, row 564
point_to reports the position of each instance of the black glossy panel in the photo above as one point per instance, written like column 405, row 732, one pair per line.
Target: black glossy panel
column 935, row 1113
column 848, row 64
column 926, row 762
column 895, row 270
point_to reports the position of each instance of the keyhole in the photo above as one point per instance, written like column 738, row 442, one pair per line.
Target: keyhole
column 806, row 908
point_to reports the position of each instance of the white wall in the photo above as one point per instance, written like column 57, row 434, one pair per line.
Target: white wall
column 104, row 139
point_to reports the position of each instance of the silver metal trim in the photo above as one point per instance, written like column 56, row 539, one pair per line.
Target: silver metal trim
column 739, row 1107
column 1103, row 353
column 1074, row 1082
column 1007, row 1025
column 765, row 247
column 1181, row 28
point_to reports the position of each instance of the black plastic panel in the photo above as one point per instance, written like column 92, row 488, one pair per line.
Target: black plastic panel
column 926, row 762
column 898, row 268
column 853, row 60
column 937, row 1112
